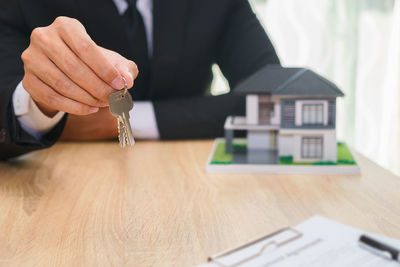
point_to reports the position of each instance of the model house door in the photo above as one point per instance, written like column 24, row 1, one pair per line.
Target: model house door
column 265, row 112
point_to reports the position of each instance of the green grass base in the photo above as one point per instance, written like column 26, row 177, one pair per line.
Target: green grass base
column 344, row 156
column 220, row 157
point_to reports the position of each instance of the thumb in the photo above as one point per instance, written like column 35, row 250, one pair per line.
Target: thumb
column 129, row 72
column 127, row 68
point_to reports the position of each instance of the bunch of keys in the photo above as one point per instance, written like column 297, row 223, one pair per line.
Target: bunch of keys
column 120, row 105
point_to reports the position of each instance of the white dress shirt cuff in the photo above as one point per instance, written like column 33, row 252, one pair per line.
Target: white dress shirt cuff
column 30, row 117
column 143, row 121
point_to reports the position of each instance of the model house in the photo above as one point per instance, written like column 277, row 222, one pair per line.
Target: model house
column 290, row 114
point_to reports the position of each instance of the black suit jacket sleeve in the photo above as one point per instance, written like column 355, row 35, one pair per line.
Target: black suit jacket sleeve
column 13, row 40
column 243, row 48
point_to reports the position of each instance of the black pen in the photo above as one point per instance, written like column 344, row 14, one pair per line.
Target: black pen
column 379, row 248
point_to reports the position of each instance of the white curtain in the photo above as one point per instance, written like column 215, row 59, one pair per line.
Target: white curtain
column 356, row 44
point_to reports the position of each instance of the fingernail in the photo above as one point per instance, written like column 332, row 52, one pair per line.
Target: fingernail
column 130, row 75
column 93, row 109
column 118, row 83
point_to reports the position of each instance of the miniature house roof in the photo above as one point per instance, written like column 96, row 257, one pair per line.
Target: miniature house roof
column 276, row 80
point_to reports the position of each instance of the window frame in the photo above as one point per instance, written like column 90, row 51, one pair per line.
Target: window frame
column 299, row 112
column 311, row 154
column 319, row 117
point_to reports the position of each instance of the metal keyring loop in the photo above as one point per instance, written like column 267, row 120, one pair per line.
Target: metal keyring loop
column 125, row 86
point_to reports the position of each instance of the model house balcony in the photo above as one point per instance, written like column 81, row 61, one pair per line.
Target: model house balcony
column 238, row 123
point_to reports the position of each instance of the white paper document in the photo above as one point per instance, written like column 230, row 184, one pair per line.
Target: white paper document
column 314, row 243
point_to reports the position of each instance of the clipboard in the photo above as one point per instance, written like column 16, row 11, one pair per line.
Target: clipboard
column 271, row 244
column 315, row 242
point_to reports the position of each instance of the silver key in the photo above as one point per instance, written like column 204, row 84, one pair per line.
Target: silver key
column 128, row 105
column 121, row 133
column 120, row 105
column 121, row 130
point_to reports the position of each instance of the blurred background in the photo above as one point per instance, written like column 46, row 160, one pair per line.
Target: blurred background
column 355, row 44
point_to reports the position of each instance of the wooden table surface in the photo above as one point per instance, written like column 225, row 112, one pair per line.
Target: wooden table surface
column 94, row 204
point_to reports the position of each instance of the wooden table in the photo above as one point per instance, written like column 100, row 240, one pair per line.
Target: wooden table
column 94, row 204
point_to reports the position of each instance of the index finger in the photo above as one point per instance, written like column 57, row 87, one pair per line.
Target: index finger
column 74, row 34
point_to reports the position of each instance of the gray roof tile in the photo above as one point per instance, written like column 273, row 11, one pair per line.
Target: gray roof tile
column 276, row 80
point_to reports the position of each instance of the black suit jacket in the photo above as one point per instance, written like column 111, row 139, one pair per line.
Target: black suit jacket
column 189, row 36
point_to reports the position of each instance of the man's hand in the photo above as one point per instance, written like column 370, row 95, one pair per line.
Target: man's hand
column 65, row 70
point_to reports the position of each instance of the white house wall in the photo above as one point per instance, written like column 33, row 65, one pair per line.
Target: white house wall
column 297, row 148
column 289, row 144
column 286, row 145
column 252, row 109
column 330, row 146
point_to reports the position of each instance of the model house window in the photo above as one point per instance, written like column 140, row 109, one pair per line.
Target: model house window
column 313, row 114
column 311, row 147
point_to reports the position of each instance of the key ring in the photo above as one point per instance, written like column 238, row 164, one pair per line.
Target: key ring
column 125, row 86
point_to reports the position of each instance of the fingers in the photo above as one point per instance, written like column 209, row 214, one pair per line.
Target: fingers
column 77, row 71
column 74, row 35
column 48, row 73
column 127, row 68
column 48, row 98
column 129, row 71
